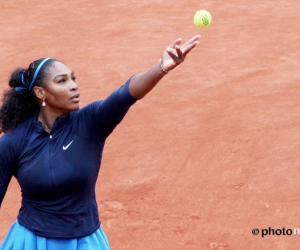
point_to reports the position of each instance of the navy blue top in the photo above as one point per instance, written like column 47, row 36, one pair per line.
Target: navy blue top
column 57, row 172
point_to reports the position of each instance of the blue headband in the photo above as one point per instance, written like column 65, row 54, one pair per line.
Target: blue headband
column 22, row 79
column 34, row 76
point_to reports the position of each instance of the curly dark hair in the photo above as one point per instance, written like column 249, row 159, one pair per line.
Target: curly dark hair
column 20, row 102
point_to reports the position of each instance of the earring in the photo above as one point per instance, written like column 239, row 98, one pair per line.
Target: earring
column 43, row 103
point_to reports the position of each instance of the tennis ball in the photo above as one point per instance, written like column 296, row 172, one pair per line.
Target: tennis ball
column 202, row 18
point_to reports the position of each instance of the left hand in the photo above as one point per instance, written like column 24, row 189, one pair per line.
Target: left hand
column 175, row 54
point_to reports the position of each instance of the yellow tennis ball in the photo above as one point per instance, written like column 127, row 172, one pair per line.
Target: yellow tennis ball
column 202, row 18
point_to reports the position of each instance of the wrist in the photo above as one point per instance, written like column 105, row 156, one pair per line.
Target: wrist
column 162, row 67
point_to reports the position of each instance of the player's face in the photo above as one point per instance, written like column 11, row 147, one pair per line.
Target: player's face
column 61, row 90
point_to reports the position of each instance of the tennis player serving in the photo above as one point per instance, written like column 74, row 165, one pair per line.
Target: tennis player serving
column 45, row 138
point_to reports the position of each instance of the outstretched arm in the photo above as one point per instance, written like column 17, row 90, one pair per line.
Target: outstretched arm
column 173, row 55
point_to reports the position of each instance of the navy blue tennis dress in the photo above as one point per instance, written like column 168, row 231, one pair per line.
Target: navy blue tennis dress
column 57, row 173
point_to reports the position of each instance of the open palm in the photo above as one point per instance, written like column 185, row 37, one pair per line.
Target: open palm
column 175, row 54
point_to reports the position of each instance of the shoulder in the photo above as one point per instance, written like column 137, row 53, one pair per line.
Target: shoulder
column 15, row 136
column 88, row 109
column 8, row 143
column 11, row 136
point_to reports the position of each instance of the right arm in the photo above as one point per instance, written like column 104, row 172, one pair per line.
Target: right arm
column 7, row 165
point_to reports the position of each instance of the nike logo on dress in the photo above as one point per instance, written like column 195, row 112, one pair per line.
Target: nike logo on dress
column 65, row 147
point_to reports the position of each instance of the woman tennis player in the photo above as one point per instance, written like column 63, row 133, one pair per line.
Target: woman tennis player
column 46, row 137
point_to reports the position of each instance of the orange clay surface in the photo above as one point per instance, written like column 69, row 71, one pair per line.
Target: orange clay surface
column 214, row 150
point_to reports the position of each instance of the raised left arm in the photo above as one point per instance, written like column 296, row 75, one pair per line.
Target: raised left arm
column 174, row 54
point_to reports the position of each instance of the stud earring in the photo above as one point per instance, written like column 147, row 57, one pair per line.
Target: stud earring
column 44, row 103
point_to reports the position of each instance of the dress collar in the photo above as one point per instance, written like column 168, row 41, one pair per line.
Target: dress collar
column 59, row 122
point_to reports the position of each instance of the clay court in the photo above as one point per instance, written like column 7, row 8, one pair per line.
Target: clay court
column 213, row 152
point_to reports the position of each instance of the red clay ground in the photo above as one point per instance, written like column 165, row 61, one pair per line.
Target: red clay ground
column 214, row 150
